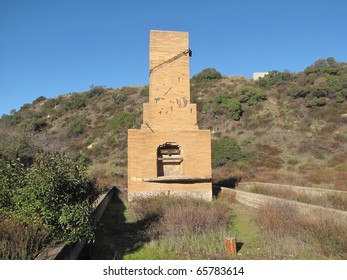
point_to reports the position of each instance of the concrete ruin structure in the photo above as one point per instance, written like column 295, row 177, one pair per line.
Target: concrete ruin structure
column 258, row 75
column 169, row 154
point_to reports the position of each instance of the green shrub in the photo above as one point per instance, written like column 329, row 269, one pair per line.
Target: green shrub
column 96, row 91
column 119, row 98
column 252, row 95
column 39, row 99
column 77, row 126
column 312, row 101
column 74, row 102
column 56, row 191
column 52, row 199
column 75, row 222
column 276, row 78
column 324, row 78
column 341, row 96
column 11, row 178
column 234, row 108
column 207, row 74
column 50, row 103
column 36, row 124
column 11, row 120
column 144, row 91
column 25, row 107
column 122, row 120
column 224, row 151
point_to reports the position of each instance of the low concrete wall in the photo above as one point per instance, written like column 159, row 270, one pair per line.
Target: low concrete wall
column 258, row 200
column 63, row 251
column 297, row 189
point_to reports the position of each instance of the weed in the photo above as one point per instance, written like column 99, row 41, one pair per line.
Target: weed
column 22, row 241
column 191, row 228
column 333, row 200
column 320, row 238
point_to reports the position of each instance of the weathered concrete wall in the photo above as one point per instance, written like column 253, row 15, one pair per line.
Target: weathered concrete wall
column 258, row 200
column 296, row 189
column 63, row 251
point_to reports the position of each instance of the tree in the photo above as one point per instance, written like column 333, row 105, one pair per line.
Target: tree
column 207, row 74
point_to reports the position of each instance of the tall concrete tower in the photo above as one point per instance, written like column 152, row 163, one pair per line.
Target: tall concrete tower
column 169, row 154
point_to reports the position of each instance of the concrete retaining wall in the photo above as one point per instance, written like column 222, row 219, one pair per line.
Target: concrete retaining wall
column 63, row 251
column 258, row 200
column 297, row 189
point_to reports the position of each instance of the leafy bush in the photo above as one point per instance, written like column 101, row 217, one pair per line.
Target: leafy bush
column 276, row 78
column 11, row 177
column 77, row 126
column 122, row 120
column 52, row 199
column 251, row 95
column 56, row 190
column 324, row 78
column 75, row 222
column 207, row 74
column 75, row 101
column 25, row 107
column 50, row 103
column 96, row 90
column 39, row 99
column 312, row 101
column 35, row 124
column 145, row 91
column 234, row 108
column 341, row 96
column 11, row 120
column 119, row 98
column 225, row 150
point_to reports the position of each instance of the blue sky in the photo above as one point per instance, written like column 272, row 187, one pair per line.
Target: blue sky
column 54, row 47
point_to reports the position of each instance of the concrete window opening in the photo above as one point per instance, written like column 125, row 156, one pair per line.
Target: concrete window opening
column 169, row 160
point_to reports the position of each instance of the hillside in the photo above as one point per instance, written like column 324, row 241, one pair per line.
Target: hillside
column 286, row 127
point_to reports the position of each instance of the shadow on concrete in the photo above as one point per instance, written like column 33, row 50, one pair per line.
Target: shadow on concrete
column 115, row 237
column 229, row 183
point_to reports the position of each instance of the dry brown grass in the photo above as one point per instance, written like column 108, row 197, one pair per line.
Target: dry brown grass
column 190, row 227
column 333, row 200
column 288, row 234
column 280, row 177
column 341, row 181
column 21, row 241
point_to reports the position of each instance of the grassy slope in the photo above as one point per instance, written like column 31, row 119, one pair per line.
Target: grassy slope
column 284, row 140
